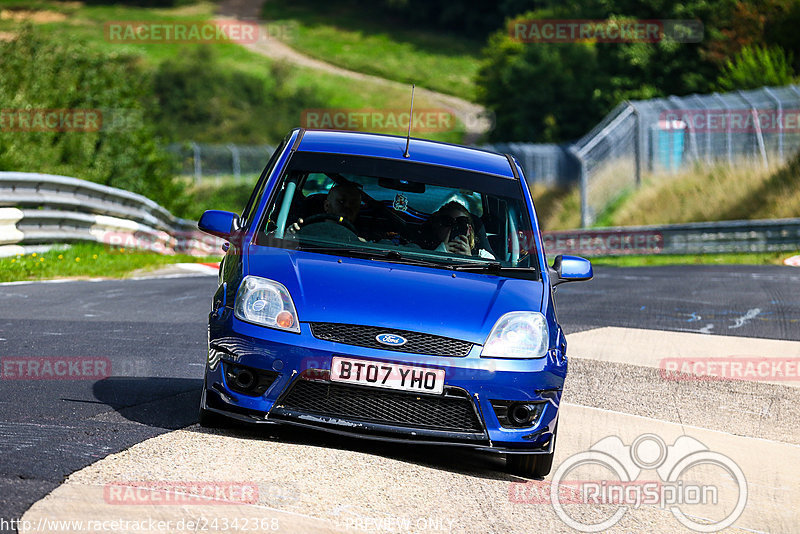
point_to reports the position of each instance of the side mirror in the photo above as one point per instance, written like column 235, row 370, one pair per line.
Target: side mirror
column 571, row 269
column 219, row 223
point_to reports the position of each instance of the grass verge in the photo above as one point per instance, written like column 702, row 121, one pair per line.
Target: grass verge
column 743, row 191
column 747, row 258
column 87, row 260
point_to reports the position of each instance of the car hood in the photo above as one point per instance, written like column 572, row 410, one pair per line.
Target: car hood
column 336, row 289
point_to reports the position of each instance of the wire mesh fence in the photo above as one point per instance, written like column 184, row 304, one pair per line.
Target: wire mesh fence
column 546, row 164
column 655, row 137
column 202, row 161
column 664, row 136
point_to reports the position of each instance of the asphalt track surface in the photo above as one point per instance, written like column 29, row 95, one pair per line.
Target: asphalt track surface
column 153, row 332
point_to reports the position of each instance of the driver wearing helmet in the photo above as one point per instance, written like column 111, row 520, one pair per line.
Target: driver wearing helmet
column 341, row 210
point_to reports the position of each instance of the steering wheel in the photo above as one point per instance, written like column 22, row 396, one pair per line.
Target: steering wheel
column 324, row 217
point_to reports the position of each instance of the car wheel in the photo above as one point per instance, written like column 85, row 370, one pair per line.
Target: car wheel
column 532, row 465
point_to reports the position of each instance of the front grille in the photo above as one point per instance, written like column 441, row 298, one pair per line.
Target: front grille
column 364, row 336
column 384, row 407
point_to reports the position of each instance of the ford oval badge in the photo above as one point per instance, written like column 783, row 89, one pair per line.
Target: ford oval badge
column 391, row 340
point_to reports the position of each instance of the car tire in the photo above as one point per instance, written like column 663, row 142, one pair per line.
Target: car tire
column 532, row 465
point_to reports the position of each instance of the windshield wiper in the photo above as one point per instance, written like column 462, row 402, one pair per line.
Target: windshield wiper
column 374, row 254
column 397, row 257
column 490, row 266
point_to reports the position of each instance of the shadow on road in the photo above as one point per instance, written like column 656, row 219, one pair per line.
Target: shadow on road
column 169, row 403
column 458, row 460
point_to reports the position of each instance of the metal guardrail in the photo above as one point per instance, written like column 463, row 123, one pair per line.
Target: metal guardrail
column 43, row 209
column 773, row 235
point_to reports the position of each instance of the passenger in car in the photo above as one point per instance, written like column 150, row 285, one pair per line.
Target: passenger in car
column 451, row 228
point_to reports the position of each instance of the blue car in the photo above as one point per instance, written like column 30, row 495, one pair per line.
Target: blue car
column 393, row 289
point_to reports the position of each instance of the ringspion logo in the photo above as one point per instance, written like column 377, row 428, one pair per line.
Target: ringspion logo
column 687, row 478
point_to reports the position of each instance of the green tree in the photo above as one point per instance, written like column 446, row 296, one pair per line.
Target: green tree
column 38, row 73
column 757, row 66
column 578, row 83
column 542, row 93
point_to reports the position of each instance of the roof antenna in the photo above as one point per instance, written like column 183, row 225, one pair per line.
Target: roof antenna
column 410, row 118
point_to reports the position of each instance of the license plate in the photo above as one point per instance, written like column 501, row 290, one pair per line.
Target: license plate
column 387, row 375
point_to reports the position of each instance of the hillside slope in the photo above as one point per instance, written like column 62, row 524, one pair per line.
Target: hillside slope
column 715, row 193
column 469, row 113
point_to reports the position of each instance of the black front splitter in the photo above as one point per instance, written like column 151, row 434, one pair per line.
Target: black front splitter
column 374, row 431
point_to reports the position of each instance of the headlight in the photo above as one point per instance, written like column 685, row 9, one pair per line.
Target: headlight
column 267, row 303
column 519, row 334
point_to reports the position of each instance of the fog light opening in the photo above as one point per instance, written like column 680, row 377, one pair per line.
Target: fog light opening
column 521, row 414
column 244, row 379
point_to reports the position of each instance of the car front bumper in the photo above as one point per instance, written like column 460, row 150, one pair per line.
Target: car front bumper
column 297, row 366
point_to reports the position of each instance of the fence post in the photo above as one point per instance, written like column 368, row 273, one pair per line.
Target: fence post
column 585, row 218
column 198, row 166
column 708, row 130
column 757, row 125
column 795, row 90
column 777, row 101
column 692, row 134
column 237, row 167
column 728, row 137
column 637, row 145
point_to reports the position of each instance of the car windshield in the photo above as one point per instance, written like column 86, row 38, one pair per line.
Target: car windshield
column 400, row 211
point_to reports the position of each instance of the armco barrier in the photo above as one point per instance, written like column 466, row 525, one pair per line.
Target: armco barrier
column 772, row 235
column 43, row 209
